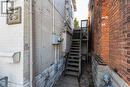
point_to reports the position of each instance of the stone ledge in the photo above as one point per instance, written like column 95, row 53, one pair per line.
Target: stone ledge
column 100, row 70
column 49, row 76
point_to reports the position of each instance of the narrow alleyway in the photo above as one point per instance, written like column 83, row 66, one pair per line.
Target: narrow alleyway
column 84, row 81
column 65, row 43
column 86, row 77
column 67, row 81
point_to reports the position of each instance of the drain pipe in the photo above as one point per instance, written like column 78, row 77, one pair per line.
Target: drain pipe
column 53, row 32
column 31, row 46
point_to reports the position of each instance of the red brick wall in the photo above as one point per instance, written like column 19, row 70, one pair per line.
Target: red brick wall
column 119, row 23
column 101, row 31
column 105, row 33
column 112, row 34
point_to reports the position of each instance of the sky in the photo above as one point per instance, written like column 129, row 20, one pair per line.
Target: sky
column 82, row 10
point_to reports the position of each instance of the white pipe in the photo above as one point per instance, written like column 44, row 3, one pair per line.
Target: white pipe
column 58, row 52
column 53, row 17
column 55, row 55
column 53, row 32
column 31, row 47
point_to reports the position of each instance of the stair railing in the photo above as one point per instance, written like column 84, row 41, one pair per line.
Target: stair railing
column 80, row 52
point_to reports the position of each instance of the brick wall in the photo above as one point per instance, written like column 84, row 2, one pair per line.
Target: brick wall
column 101, row 31
column 119, row 22
column 112, row 34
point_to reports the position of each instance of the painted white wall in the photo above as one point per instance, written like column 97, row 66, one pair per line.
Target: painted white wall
column 27, row 45
column 16, row 38
column 11, row 40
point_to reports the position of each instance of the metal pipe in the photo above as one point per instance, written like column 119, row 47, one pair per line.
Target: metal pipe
column 31, row 47
column 53, row 31
column 53, row 17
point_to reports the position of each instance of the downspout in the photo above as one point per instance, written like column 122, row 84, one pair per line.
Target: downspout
column 58, row 49
column 53, row 32
column 31, row 47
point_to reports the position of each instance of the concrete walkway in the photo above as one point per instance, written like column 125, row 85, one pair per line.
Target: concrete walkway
column 86, row 78
column 67, row 81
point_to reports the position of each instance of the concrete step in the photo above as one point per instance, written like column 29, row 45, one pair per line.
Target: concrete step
column 72, row 73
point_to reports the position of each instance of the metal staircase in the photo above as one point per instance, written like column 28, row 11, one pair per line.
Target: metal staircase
column 73, row 62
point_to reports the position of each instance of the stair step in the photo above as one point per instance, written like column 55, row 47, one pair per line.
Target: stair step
column 74, row 47
column 74, row 56
column 73, row 64
column 74, row 50
column 75, row 44
column 72, row 73
column 72, row 68
column 75, row 39
column 73, row 60
column 74, row 53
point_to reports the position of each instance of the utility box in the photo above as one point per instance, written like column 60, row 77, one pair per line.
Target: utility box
column 56, row 40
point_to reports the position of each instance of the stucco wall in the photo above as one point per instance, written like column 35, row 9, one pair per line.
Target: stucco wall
column 44, row 52
column 11, row 41
column 99, row 71
column 27, row 40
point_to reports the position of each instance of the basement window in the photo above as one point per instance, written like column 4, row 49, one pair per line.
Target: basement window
column 128, row 70
column 128, row 19
column 128, row 79
column 128, row 61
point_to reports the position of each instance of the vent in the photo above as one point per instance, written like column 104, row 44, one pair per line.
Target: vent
column 128, row 19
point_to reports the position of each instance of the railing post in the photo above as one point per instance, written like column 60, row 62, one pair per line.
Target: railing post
column 80, row 51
